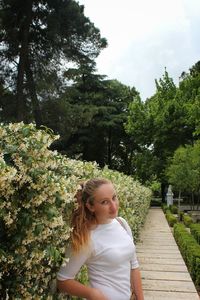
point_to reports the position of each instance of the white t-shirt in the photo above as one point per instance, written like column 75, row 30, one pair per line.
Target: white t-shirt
column 109, row 258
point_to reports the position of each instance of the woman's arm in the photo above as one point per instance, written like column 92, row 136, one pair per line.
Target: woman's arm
column 136, row 283
column 75, row 288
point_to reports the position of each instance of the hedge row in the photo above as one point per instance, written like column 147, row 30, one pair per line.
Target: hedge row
column 187, row 220
column 195, row 231
column 37, row 188
column 172, row 219
column 169, row 214
column 190, row 251
column 172, row 208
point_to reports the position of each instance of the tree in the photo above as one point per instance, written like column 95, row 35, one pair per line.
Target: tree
column 183, row 170
column 190, row 93
column 149, row 124
column 37, row 36
column 160, row 126
column 100, row 135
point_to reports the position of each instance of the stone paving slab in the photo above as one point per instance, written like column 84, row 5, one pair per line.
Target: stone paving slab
column 157, row 267
column 160, row 255
column 156, row 246
column 164, row 273
column 154, row 243
column 156, row 295
column 160, row 261
column 158, row 251
column 168, row 285
column 159, row 275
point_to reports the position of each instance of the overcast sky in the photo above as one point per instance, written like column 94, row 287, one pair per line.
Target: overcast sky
column 144, row 37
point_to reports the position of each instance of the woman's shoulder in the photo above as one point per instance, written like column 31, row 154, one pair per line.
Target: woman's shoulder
column 124, row 224
column 122, row 220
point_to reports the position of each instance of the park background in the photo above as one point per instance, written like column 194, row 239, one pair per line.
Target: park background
column 49, row 81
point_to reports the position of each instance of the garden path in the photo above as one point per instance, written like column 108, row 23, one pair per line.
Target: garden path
column 164, row 273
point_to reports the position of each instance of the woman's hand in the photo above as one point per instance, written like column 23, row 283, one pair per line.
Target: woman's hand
column 75, row 288
column 97, row 295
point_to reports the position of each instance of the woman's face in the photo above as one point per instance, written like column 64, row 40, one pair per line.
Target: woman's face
column 105, row 206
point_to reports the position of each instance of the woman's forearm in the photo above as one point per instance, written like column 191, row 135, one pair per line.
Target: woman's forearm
column 136, row 284
column 75, row 288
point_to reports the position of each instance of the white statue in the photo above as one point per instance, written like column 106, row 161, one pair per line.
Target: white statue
column 169, row 196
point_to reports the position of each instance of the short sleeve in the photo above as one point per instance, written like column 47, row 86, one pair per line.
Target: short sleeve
column 134, row 261
column 75, row 262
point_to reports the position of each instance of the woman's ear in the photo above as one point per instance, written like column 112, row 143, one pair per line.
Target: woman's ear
column 89, row 206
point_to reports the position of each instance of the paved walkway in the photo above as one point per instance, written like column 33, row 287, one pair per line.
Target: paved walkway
column 164, row 273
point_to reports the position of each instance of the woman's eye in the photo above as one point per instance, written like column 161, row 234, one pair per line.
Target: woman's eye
column 104, row 202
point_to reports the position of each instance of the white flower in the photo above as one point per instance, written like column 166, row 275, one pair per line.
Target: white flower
column 65, row 261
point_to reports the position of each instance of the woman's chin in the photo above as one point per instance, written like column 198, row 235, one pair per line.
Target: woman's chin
column 113, row 215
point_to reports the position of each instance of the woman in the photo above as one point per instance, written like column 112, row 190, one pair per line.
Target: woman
column 104, row 243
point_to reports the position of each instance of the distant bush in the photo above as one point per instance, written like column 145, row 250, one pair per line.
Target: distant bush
column 173, row 209
column 171, row 218
column 165, row 207
column 187, row 220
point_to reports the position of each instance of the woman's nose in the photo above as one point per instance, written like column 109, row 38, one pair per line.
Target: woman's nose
column 113, row 205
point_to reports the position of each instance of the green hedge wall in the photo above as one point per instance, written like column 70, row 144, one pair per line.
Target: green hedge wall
column 190, row 251
column 195, row 231
column 37, row 188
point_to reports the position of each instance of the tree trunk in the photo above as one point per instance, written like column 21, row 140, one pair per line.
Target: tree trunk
column 163, row 192
column 130, row 158
column 23, row 55
column 21, row 103
column 198, row 200
column 109, row 152
column 192, row 201
column 34, row 99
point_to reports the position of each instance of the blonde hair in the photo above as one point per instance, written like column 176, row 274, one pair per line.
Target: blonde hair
column 82, row 217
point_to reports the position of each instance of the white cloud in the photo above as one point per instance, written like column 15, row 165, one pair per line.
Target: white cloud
column 144, row 37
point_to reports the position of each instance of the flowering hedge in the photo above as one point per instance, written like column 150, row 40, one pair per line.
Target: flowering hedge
column 37, row 189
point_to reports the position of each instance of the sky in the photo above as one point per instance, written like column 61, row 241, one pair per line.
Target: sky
column 145, row 37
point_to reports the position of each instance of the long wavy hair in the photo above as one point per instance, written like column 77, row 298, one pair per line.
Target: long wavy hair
column 82, row 217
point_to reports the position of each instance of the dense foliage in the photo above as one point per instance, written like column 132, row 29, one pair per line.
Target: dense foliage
column 163, row 123
column 48, row 76
column 37, row 188
column 183, row 171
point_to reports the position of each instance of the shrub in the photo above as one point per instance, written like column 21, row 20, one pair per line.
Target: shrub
column 190, row 251
column 187, row 220
column 171, row 218
column 197, row 272
column 165, row 207
column 37, row 189
column 36, row 198
column 173, row 209
column 167, row 211
column 195, row 231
